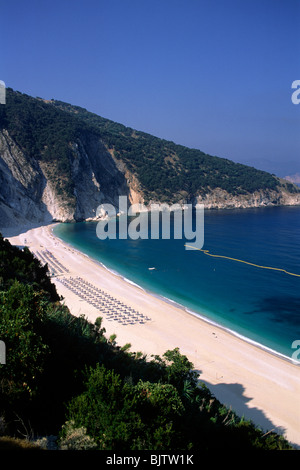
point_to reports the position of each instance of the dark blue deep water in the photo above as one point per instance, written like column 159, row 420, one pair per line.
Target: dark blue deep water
column 260, row 304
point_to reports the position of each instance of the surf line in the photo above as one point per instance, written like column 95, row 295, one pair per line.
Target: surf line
column 206, row 252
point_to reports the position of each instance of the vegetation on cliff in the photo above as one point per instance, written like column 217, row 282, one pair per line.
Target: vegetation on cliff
column 63, row 377
column 166, row 172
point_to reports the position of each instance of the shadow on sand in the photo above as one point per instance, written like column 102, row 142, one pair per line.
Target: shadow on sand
column 17, row 230
column 233, row 396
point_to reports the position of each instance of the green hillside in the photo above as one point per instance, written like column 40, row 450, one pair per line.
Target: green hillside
column 166, row 172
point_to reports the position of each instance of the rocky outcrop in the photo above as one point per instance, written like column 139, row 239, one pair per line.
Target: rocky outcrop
column 22, row 186
column 96, row 177
column 28, row 194
column 220, row 199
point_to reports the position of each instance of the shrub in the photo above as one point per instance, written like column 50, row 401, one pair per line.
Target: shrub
column 74, row 438
column 22, row 313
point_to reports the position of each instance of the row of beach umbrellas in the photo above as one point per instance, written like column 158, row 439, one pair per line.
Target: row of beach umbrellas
column 114, row 309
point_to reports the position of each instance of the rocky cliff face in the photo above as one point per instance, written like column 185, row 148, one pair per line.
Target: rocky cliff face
column 22, row 187
column 28, row 195
column 220, row 199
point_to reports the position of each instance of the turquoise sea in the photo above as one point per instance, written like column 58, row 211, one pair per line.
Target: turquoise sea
column 260, row 304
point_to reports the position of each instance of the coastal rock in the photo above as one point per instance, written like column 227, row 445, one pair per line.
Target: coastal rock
column 22, row 186
column 59, row 162
column 220, row 199
column 28, row 193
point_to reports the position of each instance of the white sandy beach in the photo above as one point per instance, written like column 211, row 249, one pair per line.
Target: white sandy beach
column 255, row 383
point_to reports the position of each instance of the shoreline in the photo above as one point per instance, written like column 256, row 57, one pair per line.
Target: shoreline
column 255, row 382
column 189, row 311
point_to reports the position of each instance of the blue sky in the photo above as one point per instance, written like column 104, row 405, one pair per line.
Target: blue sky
column 210, row 74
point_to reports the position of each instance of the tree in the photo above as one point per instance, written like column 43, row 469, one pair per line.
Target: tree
column 106, row 410
column 179, row 369
column 22, row 313
column 119, row 415
column 21, row 265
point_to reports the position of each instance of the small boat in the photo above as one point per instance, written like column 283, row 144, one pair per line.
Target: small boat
column 150, row 269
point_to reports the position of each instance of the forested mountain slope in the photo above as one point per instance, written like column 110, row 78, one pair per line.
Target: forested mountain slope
column 60, row 162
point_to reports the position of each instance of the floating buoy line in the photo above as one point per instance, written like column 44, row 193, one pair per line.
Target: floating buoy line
column 206, row 252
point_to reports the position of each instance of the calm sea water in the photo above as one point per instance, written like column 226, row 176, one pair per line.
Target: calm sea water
column 260, row 304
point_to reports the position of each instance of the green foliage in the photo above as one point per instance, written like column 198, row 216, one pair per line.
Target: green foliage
column 43, row 133
column 180, row 369
column 22, row 313
column 21, row 265
column 162, row 400
column 121, row 416
column 48, row 131
column 73, row 438
column 105, row 410
column 168, row 171
column 61, row 369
